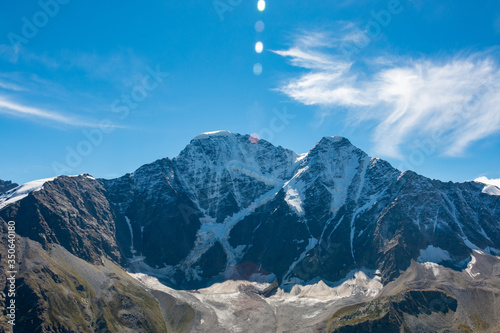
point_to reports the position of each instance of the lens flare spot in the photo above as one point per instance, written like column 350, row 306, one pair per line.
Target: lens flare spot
column 259, row 26
column 261, row 5
column 257, row 69
column 259, row 47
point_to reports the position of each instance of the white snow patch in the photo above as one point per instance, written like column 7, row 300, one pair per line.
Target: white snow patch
column 470, row 266
column 293, row 200
column 492, row 185
column 433, row 266
column 301, row 157
column 311, row 315
column 22, row 191
column 131, row 235
column 293, row 189
column 491, row 190
column 356, row 283
column 231, row 287
column 401, row 175
column 210, row 134
column 433, row 255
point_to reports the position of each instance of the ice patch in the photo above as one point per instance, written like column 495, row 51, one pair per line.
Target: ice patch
column 433, row 255
column 469, row 244
column 22, row 191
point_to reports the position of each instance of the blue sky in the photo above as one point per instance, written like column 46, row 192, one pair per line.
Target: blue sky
column 104, row 87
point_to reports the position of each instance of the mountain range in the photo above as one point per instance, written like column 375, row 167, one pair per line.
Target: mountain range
column 234, row 229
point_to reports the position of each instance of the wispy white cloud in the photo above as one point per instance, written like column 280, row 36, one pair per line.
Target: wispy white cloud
column 119, row 71
column 34, row 113
column 455, row 100
column 6, row 85
column 122, row 68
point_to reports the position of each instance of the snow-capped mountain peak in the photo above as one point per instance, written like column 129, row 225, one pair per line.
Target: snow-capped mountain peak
column 232, row 207
column 492, row 185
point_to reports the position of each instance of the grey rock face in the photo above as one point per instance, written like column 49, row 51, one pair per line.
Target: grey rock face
column 6, row 185
column 228, row 208
column 70, row 211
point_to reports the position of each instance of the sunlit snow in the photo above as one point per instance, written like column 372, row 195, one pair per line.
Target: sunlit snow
column 22, row 191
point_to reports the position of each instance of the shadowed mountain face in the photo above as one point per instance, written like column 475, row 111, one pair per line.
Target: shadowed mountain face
column 227, row 208
column 235, row 204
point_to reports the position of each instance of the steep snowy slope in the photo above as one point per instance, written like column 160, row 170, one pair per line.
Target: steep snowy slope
column 230, row 208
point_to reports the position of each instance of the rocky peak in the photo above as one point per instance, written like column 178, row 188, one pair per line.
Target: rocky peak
column 6, row 185
column 335, row 147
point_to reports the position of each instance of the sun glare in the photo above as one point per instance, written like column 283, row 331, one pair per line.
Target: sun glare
column 261, row 5
column 259, row 47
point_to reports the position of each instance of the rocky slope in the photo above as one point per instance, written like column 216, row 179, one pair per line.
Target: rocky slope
column 227, row 209
column 263, row 212
column 70, row 211
column 429, row 297
column 59, row 292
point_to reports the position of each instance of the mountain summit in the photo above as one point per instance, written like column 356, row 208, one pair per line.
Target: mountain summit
column 232, row 208
column 227, row 207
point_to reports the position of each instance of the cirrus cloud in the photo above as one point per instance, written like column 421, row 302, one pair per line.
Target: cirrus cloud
column 455, row 100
